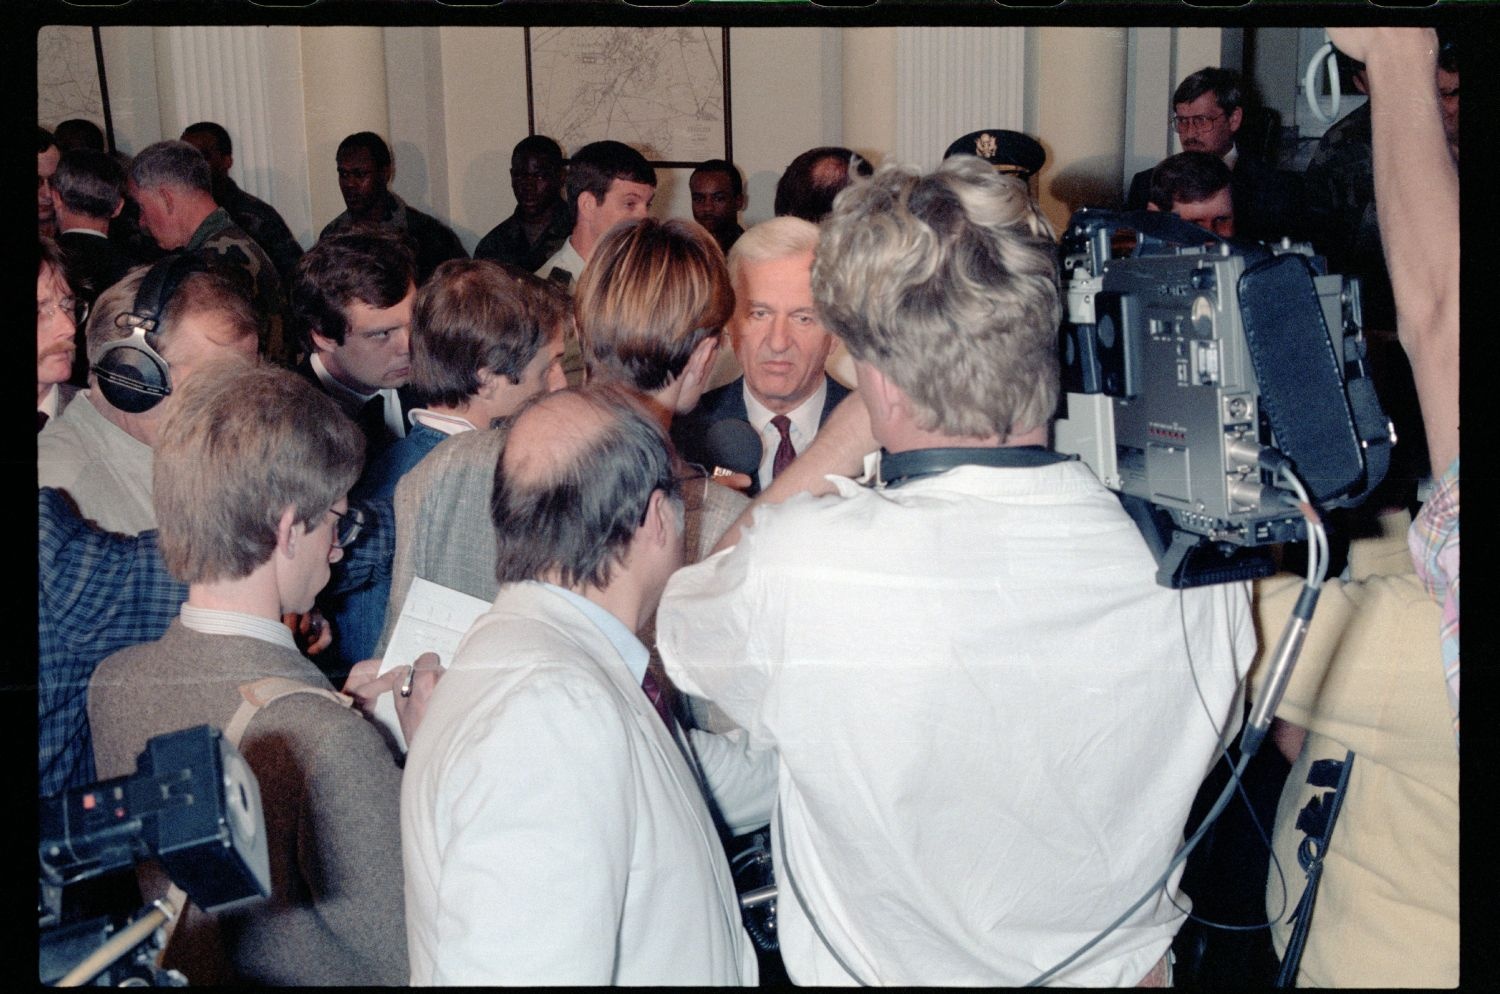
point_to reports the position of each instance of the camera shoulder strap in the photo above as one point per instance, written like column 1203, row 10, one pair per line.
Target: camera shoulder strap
column 1316, row 820
column 256, row 695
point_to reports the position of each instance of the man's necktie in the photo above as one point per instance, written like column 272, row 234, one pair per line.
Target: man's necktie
column 784, row 452
column 41, row 420
column 372, row 423
column 658, row 698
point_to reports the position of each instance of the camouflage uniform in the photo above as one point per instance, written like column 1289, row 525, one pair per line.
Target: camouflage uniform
column 506, row 242
column 235, row 255
column 261, row 222
column 432, row 242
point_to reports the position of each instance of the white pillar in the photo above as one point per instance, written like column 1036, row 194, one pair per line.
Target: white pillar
column 1080, row 112
column 344, row 91
column 951, row 81
column 248, row 80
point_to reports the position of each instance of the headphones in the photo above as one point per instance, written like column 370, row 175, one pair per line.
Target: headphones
column 132, row 374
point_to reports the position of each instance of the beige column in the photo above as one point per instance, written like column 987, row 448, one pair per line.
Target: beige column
column 1078, row 80
column 343, row 71
column 869, row 92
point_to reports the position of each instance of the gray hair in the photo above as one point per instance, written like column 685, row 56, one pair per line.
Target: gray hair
column 171, row 163
column 942, row 282
column 778, row 238
column 574, row 507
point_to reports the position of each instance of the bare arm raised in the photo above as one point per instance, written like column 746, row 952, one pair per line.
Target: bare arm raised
column 1416, row 187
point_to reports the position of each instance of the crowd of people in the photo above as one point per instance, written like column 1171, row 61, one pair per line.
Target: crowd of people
column 826, row 590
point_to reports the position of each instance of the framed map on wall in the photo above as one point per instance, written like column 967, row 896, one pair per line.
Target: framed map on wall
column 70, row 77
column 663, row 91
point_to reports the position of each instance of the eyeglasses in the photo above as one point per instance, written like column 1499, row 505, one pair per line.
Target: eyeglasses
column 348, row 527
column 1196, row 122
column 72, row 306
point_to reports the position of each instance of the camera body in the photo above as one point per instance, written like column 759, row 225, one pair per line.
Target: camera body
column 1183, row 361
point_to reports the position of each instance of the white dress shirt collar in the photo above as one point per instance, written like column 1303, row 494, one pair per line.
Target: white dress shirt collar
column 448, row 424
column 630, row 648
column 353, row 401
column 211, row 621
column 805, row 418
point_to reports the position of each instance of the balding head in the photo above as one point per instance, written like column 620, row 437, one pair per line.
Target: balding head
column 813, row 179
column 574, row 483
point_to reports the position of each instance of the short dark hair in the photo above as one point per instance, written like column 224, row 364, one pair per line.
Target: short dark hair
column 1447, row 50
column 1225, row 84
column 380, row 152
column 44, row 139
column 89, row 182
column 578, row 511
column 1187, row 177
column 213, row 130
column 78, row 132
column 727, row 168
column 541, row 146
column 814, row 178
column 171, row 162
column 598, row 164
column 365, row 263
column 472, row 314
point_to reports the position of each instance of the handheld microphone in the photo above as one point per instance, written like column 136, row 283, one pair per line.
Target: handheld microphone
column 732, row 446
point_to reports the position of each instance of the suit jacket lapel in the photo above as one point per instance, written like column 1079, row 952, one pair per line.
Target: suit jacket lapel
column 836, row 393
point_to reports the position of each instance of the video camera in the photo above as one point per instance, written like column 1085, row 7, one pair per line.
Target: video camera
column 1188, row 363
column 193, row 804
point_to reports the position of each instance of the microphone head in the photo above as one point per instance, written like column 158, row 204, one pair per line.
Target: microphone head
column 734, row 445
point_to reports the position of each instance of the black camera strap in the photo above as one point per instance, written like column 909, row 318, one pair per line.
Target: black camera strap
column 897, row 468
column 1316, row 819
column 257, row 695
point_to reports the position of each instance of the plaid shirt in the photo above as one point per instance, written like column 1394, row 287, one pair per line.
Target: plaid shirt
column 98, row 592
column 1434, row 552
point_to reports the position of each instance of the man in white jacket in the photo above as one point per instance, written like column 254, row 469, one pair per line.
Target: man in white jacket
column 553, row 826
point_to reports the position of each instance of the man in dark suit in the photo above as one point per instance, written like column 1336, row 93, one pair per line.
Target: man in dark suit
column 1195, row 187
column 352, row 296
column 1207, row 114
column 351, row 302
column 88, row 190
column 781, row 345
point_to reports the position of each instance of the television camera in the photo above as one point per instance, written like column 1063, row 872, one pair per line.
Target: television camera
column 1194, row 369
column 193, row 805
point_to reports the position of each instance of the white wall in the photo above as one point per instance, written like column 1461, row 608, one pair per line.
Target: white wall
column 452, row 102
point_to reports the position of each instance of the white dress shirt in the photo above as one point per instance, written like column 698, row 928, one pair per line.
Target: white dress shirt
column 805, row 418
column 988, row 718
column 353, row 402
column 212, row 621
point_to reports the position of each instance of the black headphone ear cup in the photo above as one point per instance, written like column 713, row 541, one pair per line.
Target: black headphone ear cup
column 132, row 376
